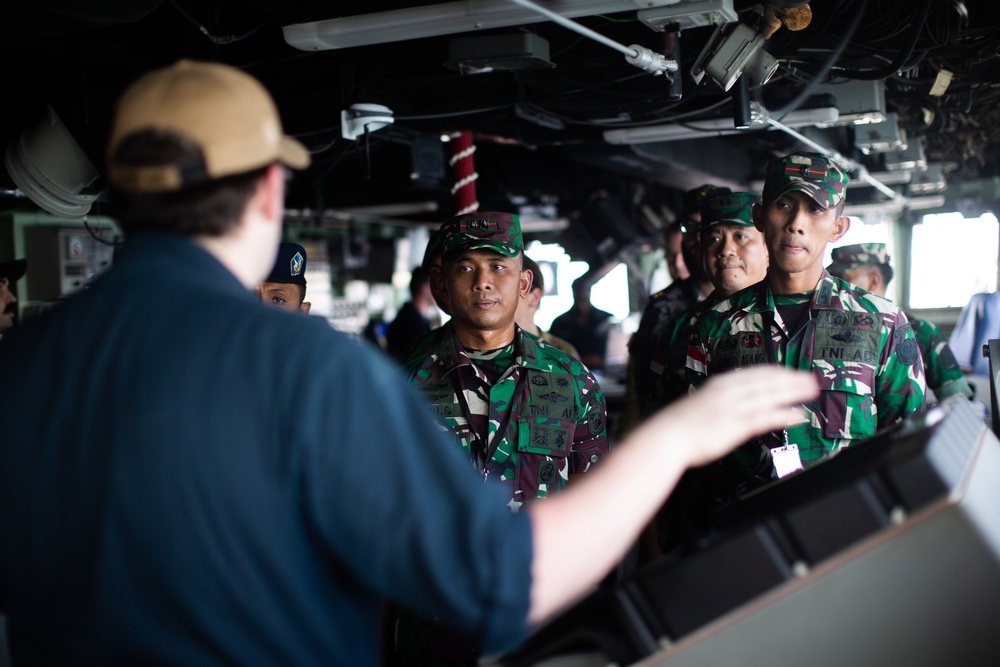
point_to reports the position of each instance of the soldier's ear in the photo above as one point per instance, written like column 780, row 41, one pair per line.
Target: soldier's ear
column 840, row 228
column 875, row 280
column 525, row 283
column 757, row 214
column 438, row 279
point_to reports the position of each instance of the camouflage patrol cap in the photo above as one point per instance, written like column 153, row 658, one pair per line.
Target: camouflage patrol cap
column 733, row 208
column 489, row 230
column 812, row 173
column 693, row 199
column 435, row 244
column 849, row 257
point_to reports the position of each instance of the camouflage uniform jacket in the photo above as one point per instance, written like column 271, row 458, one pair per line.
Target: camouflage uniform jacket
column 543, row 419
column 667, row 372
column 660, row 311
column 859, row 347
column 944, row 376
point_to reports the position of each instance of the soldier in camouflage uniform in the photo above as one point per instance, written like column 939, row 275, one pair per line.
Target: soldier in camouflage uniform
column 662, row 307
column 867, row 266
column 668, row 303
column 432, row 263
column 734, row 257
column 525, row 412
column 859, row 347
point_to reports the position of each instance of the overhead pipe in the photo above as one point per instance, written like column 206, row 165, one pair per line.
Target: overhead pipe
column 463, row 166
column 643, row 58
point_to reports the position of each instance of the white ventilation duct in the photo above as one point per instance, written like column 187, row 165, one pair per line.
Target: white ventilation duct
column 51, row 169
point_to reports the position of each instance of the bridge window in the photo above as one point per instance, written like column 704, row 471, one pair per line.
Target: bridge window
column 953, row 257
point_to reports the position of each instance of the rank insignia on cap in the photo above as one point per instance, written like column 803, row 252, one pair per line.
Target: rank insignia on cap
column 290, row 265
column 479, row 225
column 811, row 173
column 497, row 231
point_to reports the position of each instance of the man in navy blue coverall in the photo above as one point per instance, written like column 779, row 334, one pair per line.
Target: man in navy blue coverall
column 195, row 478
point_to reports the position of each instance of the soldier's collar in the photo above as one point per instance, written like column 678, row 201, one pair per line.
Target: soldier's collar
column 451, row 354
column 824, row 297
column 826, row 293
column 526, row 350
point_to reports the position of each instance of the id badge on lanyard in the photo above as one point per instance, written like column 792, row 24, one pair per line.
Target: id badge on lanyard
column 786, row 459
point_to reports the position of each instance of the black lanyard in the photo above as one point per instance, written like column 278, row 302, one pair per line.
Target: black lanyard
column 481, row 451
column 770, row 347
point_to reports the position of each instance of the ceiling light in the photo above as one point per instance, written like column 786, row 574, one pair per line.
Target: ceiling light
column 51, row 169
column 899, row 177
column 718, row 126
column 434, row 20
column 359, row 119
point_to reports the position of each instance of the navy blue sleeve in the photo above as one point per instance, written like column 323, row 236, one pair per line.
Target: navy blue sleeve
column 398, row 503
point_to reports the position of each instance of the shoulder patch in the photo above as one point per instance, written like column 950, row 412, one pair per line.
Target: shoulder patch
column 907, row 351
column 595, row 420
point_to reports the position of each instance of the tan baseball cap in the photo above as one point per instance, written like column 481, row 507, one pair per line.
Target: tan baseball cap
column 227, row 113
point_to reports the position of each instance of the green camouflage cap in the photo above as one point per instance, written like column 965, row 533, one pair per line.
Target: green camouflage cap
column 733, row 208
column 693, row 199
column 435, row 243
column 849, row 257
column 811, row 173
column 474, row 231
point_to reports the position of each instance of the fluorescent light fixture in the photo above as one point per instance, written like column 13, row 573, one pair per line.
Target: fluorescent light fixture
column 899, row 177
column 443, row 19
column 892, row 206
column 537, row 225
column 718, row 127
